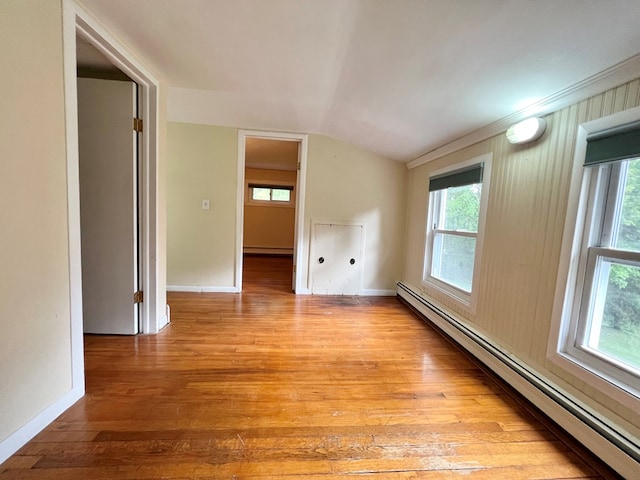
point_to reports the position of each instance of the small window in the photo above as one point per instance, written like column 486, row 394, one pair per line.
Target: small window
column 453, row 228
column 279, row 194
column 603, row 322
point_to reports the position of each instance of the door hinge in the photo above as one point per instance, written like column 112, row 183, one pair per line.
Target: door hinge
column 137, row 124
column 138, row 297
column 298, row 165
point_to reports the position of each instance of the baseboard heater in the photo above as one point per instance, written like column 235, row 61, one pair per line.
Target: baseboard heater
column 620, row 450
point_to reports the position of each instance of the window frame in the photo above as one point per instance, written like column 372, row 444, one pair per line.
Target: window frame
column 604, row 204
column 272, row 184
column 467, row 301
column 588, row 225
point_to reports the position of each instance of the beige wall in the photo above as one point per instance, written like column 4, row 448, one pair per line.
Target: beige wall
column 344, row 183
column 269, row 226
column 349, row 184
column 525, row 221
column 35, row 351
column 202, row 164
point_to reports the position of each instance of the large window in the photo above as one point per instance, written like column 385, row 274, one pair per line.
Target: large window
column 453, row 228
column 603, row 321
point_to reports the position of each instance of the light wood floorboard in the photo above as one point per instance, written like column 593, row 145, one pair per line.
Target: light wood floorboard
column 266, row 384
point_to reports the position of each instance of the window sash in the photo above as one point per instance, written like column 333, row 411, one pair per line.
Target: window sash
column 606, row 191
column 274, row 197
column 481, row 165
column 595, row 256
column 578, row 342
column 438, row 213
column 431, row 276
column 460, row 233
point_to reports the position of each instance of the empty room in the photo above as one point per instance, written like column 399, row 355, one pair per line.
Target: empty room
column 320, row 239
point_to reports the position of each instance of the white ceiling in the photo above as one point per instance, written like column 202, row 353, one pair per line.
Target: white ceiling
column 399, row 78
column 271, row 154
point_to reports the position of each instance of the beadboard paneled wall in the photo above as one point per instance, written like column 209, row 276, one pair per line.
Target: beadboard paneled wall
column 523, row 238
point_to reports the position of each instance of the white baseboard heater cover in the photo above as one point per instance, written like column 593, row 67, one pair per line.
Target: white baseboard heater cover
column 619, row 449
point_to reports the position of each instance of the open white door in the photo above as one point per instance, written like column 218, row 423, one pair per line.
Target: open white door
column 108, row 205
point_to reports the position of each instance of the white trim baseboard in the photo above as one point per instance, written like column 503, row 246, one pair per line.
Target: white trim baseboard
column 164, row 321
column 201, row 289
column 610, row 442
column 17, row 439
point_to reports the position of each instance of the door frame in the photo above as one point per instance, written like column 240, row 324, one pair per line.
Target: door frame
column 77, row 21
column 298, row 236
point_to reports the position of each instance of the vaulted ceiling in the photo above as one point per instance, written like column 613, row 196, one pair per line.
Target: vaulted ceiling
column 397, row 77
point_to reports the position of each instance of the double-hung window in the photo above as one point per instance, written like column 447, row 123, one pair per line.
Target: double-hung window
column 454, row 224
column 603, row 322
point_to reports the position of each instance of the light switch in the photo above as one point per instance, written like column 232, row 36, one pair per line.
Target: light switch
column 205, row 204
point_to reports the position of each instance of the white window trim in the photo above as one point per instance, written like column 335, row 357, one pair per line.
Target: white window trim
column 269, row 203
column 466, row 301
column 572, row 271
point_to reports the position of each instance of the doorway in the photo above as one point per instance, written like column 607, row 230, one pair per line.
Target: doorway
column 271, row 180
column 154, row 315
column 77, row 23
column 269, row 213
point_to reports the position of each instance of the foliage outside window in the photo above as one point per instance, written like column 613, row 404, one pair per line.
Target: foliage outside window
column 453, row 228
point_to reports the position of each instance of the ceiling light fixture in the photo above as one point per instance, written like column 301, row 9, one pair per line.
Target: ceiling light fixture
column 527, row 130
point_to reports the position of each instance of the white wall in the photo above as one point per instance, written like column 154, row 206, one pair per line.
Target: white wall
column 40, row 316
column 35, row 350
column 344, row 183
column 202, row 163
column 348, row 184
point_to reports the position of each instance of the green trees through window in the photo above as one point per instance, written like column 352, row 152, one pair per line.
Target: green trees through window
column 463, row 208
column 620, row 334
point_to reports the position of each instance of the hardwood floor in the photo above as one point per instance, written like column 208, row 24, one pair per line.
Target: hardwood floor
column 265, row 384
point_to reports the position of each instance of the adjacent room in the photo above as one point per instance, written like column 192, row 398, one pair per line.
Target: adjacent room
column 320, row 239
